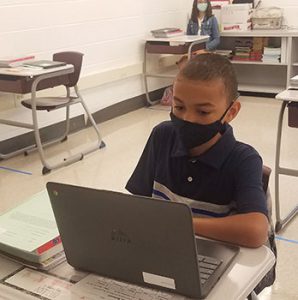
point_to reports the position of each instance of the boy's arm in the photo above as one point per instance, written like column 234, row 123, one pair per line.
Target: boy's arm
column 248, row 229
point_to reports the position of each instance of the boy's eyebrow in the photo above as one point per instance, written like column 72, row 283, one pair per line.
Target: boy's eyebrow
column 199, row 104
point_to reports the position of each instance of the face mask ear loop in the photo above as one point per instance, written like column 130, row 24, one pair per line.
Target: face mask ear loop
column 231, row 104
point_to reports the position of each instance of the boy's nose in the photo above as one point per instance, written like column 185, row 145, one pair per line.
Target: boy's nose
column 190, row 117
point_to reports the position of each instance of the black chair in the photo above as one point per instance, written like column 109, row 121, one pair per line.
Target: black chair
column 53, row 103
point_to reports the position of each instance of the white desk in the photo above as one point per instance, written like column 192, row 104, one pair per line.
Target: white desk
column 286, row 97
column 24, row 80
column 180, row 45
column 64, row 283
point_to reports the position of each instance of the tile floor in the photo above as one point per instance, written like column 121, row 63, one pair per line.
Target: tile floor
column 125, row 137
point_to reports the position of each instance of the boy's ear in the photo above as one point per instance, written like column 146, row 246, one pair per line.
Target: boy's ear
column 233, row 111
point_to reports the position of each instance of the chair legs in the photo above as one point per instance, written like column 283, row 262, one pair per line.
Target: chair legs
column 253, row 296
column 47, row 167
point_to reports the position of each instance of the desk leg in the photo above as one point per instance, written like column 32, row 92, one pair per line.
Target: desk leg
column 281, row 171
column 70, row 159
column 145, row 78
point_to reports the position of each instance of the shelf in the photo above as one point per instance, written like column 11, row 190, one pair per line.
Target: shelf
column 261, row 88
column 295, row 64
column 257, row 63
column 261, row 33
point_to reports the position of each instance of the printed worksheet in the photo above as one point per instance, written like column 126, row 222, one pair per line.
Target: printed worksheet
column 30, row 224
column 66, row 271
column 7, row 267
column 95, row 287
column 8, row 293
column 39, row 283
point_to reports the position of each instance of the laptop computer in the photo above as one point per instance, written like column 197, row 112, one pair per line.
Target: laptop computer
column 136, row 239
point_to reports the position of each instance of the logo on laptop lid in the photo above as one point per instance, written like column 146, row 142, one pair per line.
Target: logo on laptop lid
column 119, row 236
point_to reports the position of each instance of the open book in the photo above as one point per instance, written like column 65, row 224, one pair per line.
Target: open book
column 29, row 231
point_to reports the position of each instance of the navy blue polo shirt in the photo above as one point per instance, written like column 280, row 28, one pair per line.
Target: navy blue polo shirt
column 225, row 180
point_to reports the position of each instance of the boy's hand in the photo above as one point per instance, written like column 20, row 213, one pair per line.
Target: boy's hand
column 249, row 230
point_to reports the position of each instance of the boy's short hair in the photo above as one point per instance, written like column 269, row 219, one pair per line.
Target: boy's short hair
column 210, row 66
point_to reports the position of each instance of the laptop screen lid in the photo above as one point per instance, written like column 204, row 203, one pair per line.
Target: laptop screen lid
column 131, row 238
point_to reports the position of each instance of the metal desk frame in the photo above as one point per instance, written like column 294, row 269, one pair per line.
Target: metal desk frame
column 189, row 41
column 280, row 223
column 34, row 78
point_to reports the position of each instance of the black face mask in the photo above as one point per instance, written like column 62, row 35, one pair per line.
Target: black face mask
column 193, row 134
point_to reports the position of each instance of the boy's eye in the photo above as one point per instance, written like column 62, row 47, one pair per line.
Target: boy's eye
column 178, row 107
column 203, row 113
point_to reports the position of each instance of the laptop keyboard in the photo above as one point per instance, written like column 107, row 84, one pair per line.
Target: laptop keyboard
column 207, row 266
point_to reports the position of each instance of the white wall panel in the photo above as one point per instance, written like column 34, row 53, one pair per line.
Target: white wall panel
column 110, row 34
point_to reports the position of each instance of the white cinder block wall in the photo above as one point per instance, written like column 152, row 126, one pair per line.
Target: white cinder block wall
column 108, row 32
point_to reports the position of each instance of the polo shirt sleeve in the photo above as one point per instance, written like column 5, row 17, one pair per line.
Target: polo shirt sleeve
column 249, row 193
column 142, row 179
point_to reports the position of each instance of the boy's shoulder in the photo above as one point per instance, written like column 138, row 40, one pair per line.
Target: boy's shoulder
column 163, row 134
column 164, row 128
column 243, row 151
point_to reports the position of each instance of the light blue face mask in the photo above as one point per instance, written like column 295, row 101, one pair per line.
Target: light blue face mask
column 202, row 6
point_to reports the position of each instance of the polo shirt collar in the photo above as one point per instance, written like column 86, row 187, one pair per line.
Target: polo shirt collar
column 216, row 155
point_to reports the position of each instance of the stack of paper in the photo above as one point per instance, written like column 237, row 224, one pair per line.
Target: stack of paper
column 29, row 233
column 166, row 32
column 15, row 61
column 271, row 55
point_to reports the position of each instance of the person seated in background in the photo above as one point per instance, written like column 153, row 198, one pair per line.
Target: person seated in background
column 203, row 22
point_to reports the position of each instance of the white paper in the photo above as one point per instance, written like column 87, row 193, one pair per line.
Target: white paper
column 30, row 224
column 7, row 267
column 66, row 271
column 2, row 230
column 40, row 283
column 95, row 287
column 8, row 293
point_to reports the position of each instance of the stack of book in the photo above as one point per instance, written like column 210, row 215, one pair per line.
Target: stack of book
column 271, row 55
column 257, row 49
column 167, row 32
column 225, row 53
column 15, row 62
column 29, row 234
column 243, row 47
column 44, row 64
column 242, row 54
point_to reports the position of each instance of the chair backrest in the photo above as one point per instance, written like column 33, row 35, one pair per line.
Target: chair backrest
column 73, row 58
column 293, row 114
column 265, row 177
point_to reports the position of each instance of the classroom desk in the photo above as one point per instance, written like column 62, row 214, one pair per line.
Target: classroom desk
column 286, row 97
column 23, row 80
column 65, row 283
column 180, row 45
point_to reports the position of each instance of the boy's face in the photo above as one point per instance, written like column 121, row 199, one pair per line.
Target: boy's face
column 202, row 102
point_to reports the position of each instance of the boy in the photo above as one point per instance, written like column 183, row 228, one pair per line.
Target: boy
column 194, row 158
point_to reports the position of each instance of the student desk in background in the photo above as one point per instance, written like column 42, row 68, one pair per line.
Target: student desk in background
column 179, row 45
column 287, row 97
column 65, row 283
column 23, row 80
